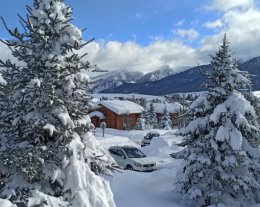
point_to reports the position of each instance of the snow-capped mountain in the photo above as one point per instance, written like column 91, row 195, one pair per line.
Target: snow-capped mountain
column 187, row 81
column 114, row 79
column 161, row 73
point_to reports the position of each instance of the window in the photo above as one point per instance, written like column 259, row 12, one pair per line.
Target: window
column 150, row 136
column 120, row 153
column 134, row 153
column 113, row 151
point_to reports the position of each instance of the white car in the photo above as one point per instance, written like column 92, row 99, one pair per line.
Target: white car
column 132, row 158
column 148, row 138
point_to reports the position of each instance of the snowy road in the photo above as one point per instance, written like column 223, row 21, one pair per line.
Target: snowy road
column 144, row 189
column 138, row 189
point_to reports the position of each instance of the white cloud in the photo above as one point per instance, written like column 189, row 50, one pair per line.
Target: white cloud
column 4, row 51
column 115, row 55
column 239, row 20
column 242, row 27
column 224, row 5
column 5, row 54
column 130, row 55
column 189, row 34
column 194, row 23
column 213, row 25
column 180, row 23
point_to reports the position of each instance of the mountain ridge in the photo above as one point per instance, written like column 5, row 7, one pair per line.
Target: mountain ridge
column 113, row 79
column 189, row 80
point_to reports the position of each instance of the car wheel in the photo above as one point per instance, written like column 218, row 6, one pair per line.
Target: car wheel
column 129, row 167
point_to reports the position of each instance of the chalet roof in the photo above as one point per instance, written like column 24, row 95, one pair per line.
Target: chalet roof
column 97, row 114
column 171, row 107
column 122, row 107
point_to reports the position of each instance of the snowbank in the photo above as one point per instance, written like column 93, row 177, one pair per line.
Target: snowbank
column 157, row 147
column 6, row 203
column 117, row 141
column 256, row 93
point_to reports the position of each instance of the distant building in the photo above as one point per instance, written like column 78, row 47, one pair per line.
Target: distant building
column 118, row 114
column 174, row 109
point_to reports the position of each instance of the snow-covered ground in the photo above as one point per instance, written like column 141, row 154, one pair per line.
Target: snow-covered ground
column 114, row 95
column 145, row 189
column 257, row 93
column 5, row 203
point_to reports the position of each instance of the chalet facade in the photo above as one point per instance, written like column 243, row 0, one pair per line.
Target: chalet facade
column 117, row 114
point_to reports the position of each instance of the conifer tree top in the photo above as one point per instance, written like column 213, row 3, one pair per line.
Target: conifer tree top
column 225, row 76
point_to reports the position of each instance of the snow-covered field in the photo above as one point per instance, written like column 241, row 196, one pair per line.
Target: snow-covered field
column 114, row 95
column 145, row 189
column 257, row 93
column 147, row 97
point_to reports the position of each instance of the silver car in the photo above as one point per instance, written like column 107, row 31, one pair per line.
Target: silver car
column 132, row 158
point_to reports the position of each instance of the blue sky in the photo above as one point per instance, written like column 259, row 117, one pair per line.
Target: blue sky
column 124, row 20
column 147, row 34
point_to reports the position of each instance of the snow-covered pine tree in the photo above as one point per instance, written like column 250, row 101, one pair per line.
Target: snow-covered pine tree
column 221, row 144
column 48, row 156
column 141, row 122
column 255, row 101
column 145, row 113
column 165, row 120
column 257, row 110
column 143, row 103
column 151, row 117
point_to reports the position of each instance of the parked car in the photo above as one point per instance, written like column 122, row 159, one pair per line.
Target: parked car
column 148, row 138
column 132, row 158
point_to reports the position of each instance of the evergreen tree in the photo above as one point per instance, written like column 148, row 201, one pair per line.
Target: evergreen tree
column 145, row 113
column 48, row 156
column 257, row 109
column 165, row 120
column 221, row 144
column 141, row 122
column 255, row 101
column 151, row 118
column 143, row 103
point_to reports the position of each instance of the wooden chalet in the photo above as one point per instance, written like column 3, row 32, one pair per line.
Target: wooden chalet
column 117, row 114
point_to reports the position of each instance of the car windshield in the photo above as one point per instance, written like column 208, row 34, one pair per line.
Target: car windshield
column 150, row 136
column 134, row 153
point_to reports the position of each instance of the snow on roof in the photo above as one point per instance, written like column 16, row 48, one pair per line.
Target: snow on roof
column 171, row 107
column 97, row 113
column 122, row 107
column 95, row 100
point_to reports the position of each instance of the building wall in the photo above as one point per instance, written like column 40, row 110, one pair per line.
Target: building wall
column 110, row 119
column 116, row 121
column 128, row 121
